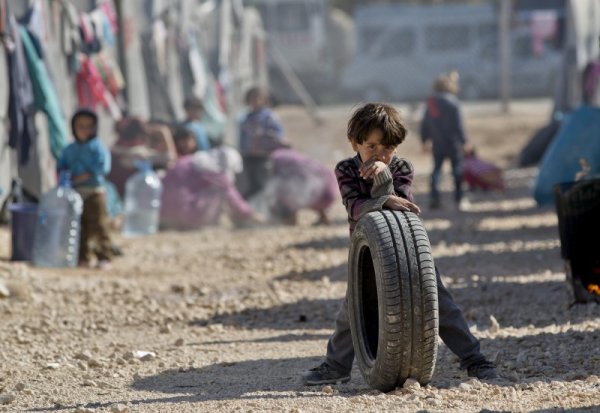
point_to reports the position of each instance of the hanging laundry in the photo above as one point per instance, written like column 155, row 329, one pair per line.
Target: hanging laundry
column 45, row 95
column 70, row 34
column 21, row 106
column 91, row 90
column 161, row 105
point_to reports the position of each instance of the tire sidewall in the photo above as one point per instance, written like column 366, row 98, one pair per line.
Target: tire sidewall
column 362, row 238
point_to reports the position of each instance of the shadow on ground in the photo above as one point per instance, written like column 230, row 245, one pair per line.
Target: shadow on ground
column 308, row 314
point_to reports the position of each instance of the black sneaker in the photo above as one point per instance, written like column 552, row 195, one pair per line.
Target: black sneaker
column 483, row 370
column 324, row 374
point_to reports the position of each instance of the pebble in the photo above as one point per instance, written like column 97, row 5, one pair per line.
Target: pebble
column 179, row 342
column 119, row 408
column 411, row 384
column 52, row 366
column 327, row 390
column 495, row 327
column 90, row 383
column 20, row 386
column 7, row 398
column 4, row 291
column 464, row 387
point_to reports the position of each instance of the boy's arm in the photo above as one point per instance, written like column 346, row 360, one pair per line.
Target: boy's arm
column 356, row 201
column 403, row 175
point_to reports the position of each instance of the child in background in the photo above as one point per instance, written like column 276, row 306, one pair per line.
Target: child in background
column 260, row 134
column 194, row 108
column 300, row 182
column 373, row 180
column 480, row 174
column 196, row 194
column 88, row 161
column 443, row 135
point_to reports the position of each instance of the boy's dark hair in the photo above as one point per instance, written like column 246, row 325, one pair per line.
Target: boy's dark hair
column 192, row 102
column 373, row 116
column 183, row 133
column 254, row 92
column 84, row 112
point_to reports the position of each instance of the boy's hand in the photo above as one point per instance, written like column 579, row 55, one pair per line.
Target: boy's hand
column 397, row 203
column 371, row 168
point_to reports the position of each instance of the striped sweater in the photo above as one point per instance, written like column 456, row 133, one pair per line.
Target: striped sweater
column 361, row 196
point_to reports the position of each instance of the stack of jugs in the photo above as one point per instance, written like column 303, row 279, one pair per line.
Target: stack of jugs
column 142, row 201
column 57, row 230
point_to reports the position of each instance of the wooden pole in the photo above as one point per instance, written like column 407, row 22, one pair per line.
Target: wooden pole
column 505, row 58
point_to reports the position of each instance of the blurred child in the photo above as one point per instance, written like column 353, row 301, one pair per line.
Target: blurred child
column 373, row 180
column 443, row 134
column 300, row 182
column 260, row 134
column 194, row 108
column 480, row 174
column 88, row 161
column 196, row 193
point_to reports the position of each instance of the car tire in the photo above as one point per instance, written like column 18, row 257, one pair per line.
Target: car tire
column 392, row 300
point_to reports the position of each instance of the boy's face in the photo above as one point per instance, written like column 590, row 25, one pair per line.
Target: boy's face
column 373, row 148
column 186, row 146
column 84, row 128
column 194, row 112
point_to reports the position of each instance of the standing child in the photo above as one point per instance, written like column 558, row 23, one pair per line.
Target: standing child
column 373, row 180
column 194, row 108
column 88, row 161
column 443, row 134
column 260, row 134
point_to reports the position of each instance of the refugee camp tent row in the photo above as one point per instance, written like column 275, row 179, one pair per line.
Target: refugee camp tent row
column 140, row 58
column 57, row 55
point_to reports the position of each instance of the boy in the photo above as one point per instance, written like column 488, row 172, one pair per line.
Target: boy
column 443, row 134
column 89, row 161
column 261, row 133
column 372, row 180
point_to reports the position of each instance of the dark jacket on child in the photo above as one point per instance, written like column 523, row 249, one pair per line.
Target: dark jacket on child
column 361, row 196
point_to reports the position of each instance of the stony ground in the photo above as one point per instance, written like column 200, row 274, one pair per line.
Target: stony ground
column 224, row 320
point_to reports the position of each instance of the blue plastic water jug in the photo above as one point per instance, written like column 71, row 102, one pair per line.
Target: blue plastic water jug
column 57, row 230
column 142, row 202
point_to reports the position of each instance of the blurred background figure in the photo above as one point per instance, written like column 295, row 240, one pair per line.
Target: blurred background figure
column 194, row 109
column 196, row 192
column 299, row 182
column 261, row 133
column 443, row 134
column 480, row 174
column 137, row 140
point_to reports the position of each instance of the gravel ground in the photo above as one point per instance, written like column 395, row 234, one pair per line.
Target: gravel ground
column 224, row 320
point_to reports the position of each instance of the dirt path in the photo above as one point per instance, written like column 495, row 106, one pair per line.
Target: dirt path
column 232, row 317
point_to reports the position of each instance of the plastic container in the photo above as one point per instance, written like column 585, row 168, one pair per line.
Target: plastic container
column 57, row 232
column 23, row 221
column 578, row 210
column 142, row 202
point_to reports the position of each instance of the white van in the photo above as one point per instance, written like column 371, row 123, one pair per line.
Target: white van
column 401, row 49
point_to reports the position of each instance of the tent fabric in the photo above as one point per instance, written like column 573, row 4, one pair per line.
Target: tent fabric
column 534, row 150
column 581, row 47
column 576, row 139
column 5, row 174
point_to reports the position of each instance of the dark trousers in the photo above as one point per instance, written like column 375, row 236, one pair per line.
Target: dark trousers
column 94, row 228
column 456, row 158
column 257, row 170
column 453, row 330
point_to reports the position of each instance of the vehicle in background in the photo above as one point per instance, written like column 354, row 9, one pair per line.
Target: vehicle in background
column 401, row 49
column 315, row 40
